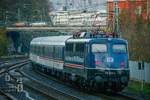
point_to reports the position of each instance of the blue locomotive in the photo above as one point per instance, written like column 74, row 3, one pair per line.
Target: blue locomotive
column 96, row 62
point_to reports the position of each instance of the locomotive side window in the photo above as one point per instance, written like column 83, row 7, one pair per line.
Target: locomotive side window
column 99, row 48
column 119, row 48
column 46, row 51
column 69, row 47
column 43, row 53
column 79, row 47
column 75, row 52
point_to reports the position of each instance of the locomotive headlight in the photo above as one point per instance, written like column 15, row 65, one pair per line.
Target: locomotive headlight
column 110, row 59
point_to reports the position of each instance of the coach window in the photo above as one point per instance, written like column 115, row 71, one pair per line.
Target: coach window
column 39, row 50
column 35, row 49
column 55, row 52
column 43, row 51
column 60, row 52
column 46, row 51
column 50, row 51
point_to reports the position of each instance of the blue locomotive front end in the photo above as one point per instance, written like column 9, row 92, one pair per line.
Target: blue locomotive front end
column 98, row 63
column 107, row 64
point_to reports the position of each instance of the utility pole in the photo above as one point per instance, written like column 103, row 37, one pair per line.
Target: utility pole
column 27, row 14
column 1, row 17
column 90, row 3
column 116, row 16
column 18, row 15
column 66, row 5
column 84, row 3
column 6, row 17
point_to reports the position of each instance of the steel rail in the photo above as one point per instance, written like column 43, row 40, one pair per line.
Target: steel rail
column 27, row 86
column 47, row 88
column 116, row 96
column 7, row 68
column 8, row 95
column 52, row 89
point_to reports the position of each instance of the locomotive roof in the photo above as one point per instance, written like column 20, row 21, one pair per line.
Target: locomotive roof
column 79, row 40
column 60, row 40
column 50, row 40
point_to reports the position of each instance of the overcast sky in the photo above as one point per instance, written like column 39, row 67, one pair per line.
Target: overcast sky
column 80, row 4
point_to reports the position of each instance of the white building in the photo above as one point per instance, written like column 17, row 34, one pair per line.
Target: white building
column 77, row 18
column 139, row 71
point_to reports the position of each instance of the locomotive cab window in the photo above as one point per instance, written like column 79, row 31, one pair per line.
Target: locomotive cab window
column 119, row 48
column 96, row 48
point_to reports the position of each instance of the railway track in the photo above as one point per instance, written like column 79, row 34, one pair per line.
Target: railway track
column 53, row 88
column 5, row 67
column 4, row 58
column 7, row 96
column 5, row 61
column 30, row 90
column 49, row 90
column 116, row 96
column 10, row 68
column 87, row 96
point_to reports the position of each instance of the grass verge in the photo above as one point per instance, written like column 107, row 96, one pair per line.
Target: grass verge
column 136, row 87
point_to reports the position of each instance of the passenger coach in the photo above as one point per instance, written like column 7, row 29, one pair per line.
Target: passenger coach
column 94, row 62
